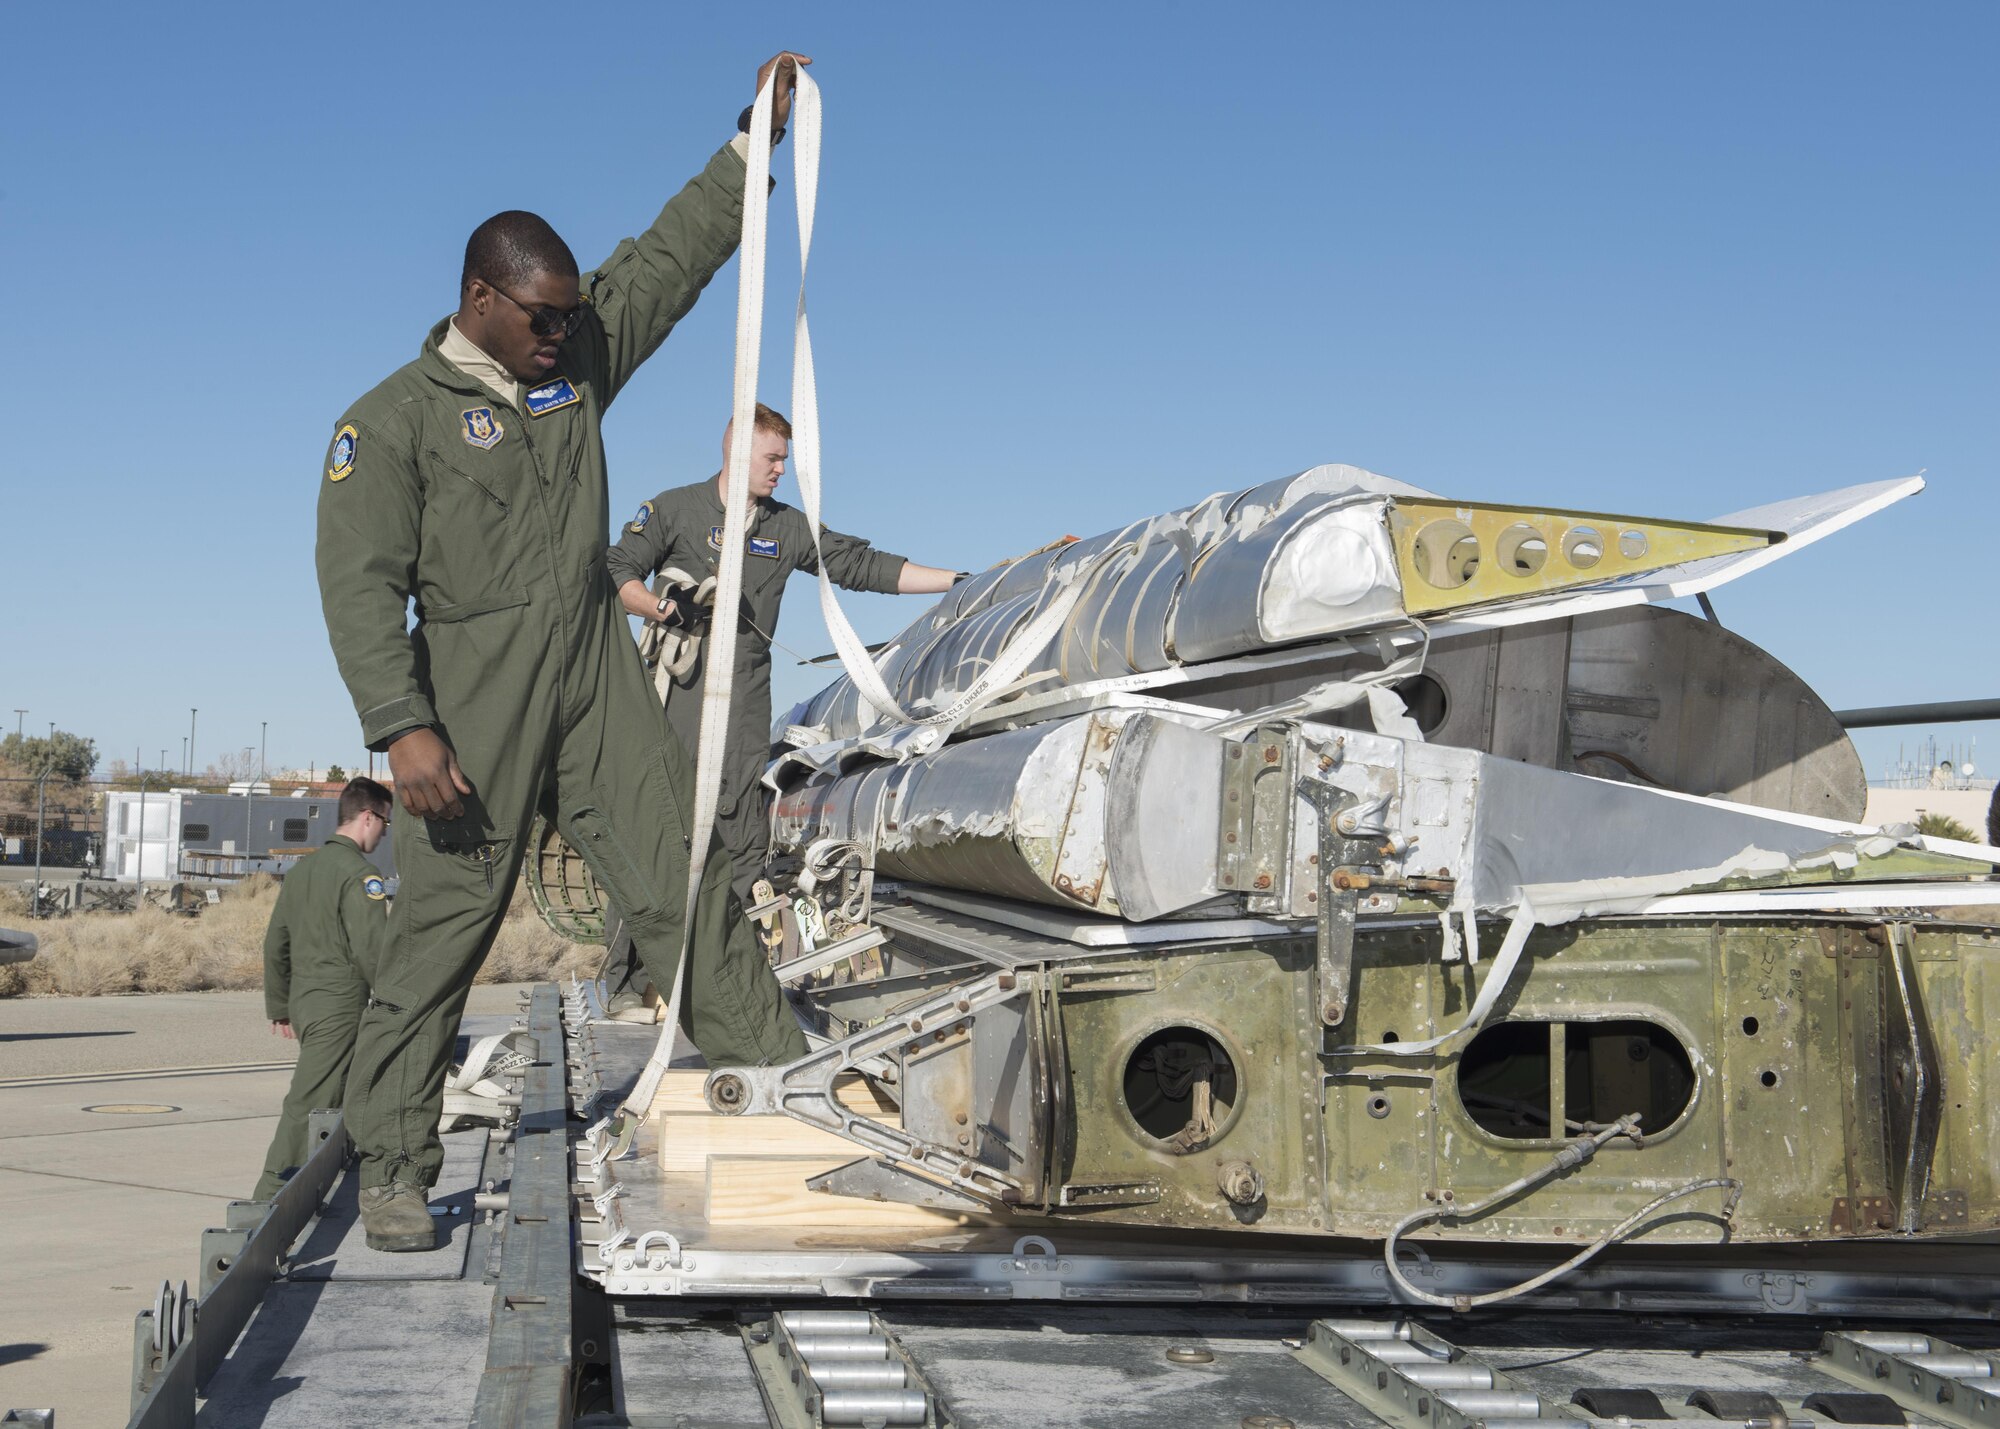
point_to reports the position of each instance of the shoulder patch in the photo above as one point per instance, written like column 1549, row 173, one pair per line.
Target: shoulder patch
column 550, row 397
column 482, row 429
column 340, row 458
column 638, row 522
column 374, row 887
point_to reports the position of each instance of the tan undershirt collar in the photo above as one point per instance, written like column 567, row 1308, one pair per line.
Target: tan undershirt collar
column 468, row 357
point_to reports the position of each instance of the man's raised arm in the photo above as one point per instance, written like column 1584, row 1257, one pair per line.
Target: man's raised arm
column 648, row 283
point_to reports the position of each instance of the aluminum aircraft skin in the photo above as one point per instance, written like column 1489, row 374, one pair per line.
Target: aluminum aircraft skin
column 1356, row 862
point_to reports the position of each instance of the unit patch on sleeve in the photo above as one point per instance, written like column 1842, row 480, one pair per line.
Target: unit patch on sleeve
column 340, row 460
column 374, row 887
column 759, row 546
column 550, row 396
column 481, row 428
column 638, row 522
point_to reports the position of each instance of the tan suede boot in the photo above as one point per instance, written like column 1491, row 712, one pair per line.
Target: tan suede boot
column 397, row 1217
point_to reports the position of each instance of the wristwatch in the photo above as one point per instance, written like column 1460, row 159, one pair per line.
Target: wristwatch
column 743, row 125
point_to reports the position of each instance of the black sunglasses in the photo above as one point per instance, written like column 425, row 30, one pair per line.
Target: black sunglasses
column 544, row 321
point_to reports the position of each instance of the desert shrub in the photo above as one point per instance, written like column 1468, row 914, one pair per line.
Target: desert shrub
column 150, row 950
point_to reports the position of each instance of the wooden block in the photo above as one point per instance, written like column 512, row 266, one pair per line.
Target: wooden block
column 771, row 1191
column 680, row 1095
column 686, row 1142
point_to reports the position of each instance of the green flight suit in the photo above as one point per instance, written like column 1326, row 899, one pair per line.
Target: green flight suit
column 682, row 528
column 492, row 520
column 322, row 949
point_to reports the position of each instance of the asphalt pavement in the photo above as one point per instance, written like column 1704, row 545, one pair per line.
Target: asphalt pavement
column 126, row 1124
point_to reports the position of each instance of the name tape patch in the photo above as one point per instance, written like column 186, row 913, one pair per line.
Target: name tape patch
column 756, row 545
column 550, row 397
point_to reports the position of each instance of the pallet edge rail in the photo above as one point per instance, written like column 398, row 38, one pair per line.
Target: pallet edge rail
column 179, row 1343
column 530, row 1359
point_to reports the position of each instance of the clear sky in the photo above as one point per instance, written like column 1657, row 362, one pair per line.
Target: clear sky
column 1075, row 264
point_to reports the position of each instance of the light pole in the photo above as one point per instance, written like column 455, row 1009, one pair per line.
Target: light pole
column 19, row 717
column 184, row 756
column 191, row 714
column 263, row 745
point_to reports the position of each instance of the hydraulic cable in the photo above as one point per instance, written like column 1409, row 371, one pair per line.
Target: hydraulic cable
column 1567, row 1158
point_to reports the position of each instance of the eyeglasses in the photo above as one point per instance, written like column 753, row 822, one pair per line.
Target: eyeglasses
column 544, row 321
column 386, row 820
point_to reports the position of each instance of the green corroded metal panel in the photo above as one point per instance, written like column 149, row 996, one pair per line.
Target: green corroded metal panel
column 1774, row 1051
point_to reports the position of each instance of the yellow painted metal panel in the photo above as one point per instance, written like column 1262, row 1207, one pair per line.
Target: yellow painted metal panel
column 1452, row 555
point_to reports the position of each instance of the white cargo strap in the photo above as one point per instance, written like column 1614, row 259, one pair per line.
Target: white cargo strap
column 718, row 686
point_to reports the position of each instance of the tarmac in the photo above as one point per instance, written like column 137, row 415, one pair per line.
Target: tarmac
column 126, row 1124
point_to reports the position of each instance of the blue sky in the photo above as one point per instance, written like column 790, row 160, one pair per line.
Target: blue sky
column 1074, row 264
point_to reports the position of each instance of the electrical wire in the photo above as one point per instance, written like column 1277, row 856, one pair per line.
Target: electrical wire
column 1575, row 1154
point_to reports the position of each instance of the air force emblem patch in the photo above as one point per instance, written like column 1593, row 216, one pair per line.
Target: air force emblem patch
column 715, row 538
column 374, row 887
column 481, row 429
column 638, row 522
column 550, row 397
column 340, row 460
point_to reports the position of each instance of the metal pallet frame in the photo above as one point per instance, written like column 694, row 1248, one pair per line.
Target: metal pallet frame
column 178, row 1344
column 530, row 1362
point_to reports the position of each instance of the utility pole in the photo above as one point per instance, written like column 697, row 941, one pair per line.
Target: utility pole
column 19, row 717
column 184, row 756
column 41, row 826
column 263, row 747
column 191, row 714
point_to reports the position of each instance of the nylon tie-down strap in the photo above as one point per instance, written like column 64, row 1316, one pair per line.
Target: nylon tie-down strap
column 719, row 684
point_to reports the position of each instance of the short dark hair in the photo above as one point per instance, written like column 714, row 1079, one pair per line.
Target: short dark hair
column 513, row 248
column 362, row 796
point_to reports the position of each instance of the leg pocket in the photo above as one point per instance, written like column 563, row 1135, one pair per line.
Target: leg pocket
column 447, row 911
column 622, row 869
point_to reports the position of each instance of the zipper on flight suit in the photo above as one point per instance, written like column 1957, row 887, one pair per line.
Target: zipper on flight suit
column 495, row 497
column 556, row 574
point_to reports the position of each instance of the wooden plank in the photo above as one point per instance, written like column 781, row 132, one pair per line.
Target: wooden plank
column 771, row 1191
column 686, row 1142
column 680, row 1095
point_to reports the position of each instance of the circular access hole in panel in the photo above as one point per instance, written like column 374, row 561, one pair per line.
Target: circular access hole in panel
column 1583, row 546
column 1768, row 1078
column 1521, row 550
column 1425, row 699
column 1181, row 1088
column 1750, row 1025
column 1447, row 553
column 1633, row 545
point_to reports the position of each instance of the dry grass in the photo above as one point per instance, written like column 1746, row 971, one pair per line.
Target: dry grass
column 92, row 954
